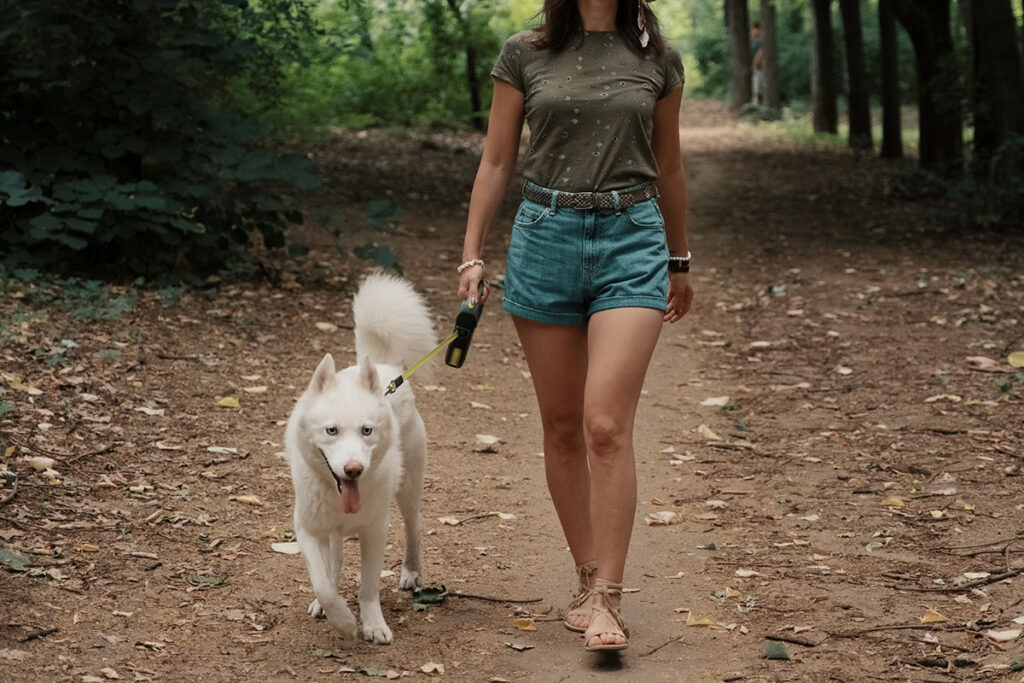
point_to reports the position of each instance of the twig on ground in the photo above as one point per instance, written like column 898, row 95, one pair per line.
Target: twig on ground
column 658, row 647
column 100, row 451
column 40, row 633
column 488, row 598
column 995, row 578
column 796, row 640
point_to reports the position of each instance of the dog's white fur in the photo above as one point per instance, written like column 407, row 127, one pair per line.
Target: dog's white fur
column 330, row 421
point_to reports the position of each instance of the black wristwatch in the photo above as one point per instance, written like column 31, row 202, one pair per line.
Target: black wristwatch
column 679, row 264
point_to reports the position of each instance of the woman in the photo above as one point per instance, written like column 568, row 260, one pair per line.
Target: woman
column 594, row 265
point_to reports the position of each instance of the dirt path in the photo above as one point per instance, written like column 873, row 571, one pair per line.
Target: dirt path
column 858, row 449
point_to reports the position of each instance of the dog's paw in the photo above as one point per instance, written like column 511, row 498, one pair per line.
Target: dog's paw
column 315, row 610
column 343, row 621
column 410, row 579
column 379, row 633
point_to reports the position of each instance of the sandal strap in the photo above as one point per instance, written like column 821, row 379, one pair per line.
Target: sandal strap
column 603, row 609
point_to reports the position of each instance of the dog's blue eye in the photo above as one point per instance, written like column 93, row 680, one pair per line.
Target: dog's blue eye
column 332, row 431
column 367, row 430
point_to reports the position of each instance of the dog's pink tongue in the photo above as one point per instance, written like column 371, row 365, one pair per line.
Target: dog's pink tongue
column 349, row 495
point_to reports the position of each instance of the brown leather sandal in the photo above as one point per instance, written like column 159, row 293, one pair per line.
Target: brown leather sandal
column 605, row 618
column 579, row 607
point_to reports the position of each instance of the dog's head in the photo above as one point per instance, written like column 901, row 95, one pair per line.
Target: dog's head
column 347, row 422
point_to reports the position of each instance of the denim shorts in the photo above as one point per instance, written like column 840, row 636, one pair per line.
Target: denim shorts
column 564, row 265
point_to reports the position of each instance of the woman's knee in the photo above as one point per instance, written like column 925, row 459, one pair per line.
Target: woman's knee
column 564, row 433
column 606, row 436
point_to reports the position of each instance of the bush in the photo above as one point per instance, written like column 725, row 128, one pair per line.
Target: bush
column 125, row 140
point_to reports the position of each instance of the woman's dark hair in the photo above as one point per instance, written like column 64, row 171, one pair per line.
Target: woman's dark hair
column 563, row 25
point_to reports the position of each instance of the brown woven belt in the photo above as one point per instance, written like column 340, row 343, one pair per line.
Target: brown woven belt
column 601, row 201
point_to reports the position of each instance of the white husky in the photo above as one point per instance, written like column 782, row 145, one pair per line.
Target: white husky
column 351, row 449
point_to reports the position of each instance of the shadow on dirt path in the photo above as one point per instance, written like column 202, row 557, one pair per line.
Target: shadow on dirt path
column 835, row 427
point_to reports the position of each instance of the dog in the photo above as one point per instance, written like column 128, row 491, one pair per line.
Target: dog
column 351, row 449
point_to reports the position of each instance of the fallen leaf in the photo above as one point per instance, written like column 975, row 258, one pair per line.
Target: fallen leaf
column 87, row 548
column 1016, row 359
column 707, row 433
column 28, row 389
column 151, row 411
column 450, row 521
column 9, row 559
column 255, row 390
column 222, row 450
column 933, row 617
column 716, row 504
column 775, row 650
column 746, row 573
column 715, row 401
column 247, row 499
column 937, row 514
column 14, row 655
column 167, row 446
column 983, row 364
column 326, row 327
column 525, row 624
column 432, row 668
column 843, row 370
column 487, row 439
column 693, row 621
column 110, row 673
column 229, row 402
column 974, row 576
column 1004, row 636
column 504, row 515
column 518, row 647
column 481, row 406
column 706, row 516
column 893, row 502
column 41, row 463
column 661, row 518
column 291, row 548
column 944, row 397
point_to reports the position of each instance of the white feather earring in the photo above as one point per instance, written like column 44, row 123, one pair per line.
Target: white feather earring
column 641, row 23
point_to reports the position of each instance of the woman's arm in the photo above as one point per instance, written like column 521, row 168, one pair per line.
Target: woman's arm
column 672, row 186
column 497, row 165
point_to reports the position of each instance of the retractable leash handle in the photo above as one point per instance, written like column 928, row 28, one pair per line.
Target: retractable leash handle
column 457, row 342
column 465, row 324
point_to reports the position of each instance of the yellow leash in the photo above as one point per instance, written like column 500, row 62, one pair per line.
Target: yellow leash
column 398, row 381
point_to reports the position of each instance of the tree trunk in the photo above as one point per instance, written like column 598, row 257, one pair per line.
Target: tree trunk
column 999, row 88
column 941, row 139
column 770, row 52
column 737, row 21
column 860, row 109
column 823, row 87
column 472, row 82
column 892, row 126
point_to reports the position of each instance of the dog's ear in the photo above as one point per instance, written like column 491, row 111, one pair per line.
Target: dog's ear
column 368, row 375
column 323, row 376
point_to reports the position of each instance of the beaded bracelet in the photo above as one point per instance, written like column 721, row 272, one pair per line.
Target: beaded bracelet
column 469, row 264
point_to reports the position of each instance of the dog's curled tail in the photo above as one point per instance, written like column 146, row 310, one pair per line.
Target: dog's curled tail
column 392, row 322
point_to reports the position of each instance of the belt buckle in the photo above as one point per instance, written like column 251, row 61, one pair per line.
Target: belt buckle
column 588, row 200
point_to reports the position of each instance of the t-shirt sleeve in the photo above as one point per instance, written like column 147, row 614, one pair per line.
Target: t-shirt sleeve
column 508, row 66
column 674, row 75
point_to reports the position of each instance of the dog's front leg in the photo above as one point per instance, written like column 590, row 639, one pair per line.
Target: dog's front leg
column 316, row 550
column 371, row 547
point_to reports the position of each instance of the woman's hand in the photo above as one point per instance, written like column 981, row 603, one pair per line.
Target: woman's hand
column 680, row 296
column 469, row 284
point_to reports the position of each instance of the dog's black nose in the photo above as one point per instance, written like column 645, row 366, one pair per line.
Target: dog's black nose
column 353, row 470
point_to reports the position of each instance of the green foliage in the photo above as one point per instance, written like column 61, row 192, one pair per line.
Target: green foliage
column 126, row 138
column 397, row 63
column 989, row 202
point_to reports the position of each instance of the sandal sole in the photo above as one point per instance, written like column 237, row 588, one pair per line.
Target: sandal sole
column 575, row 629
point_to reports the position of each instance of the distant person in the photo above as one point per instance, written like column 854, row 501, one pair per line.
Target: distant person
column 594, row 266
column 756, row 65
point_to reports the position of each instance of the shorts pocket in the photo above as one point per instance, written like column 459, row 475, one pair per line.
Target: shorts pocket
column 530, row 214
column 646, row 215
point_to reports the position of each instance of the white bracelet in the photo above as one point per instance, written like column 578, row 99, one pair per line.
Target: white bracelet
column 680, row 259
column 469, row 264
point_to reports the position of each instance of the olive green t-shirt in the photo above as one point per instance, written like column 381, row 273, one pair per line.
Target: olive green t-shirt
column 590, row 109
